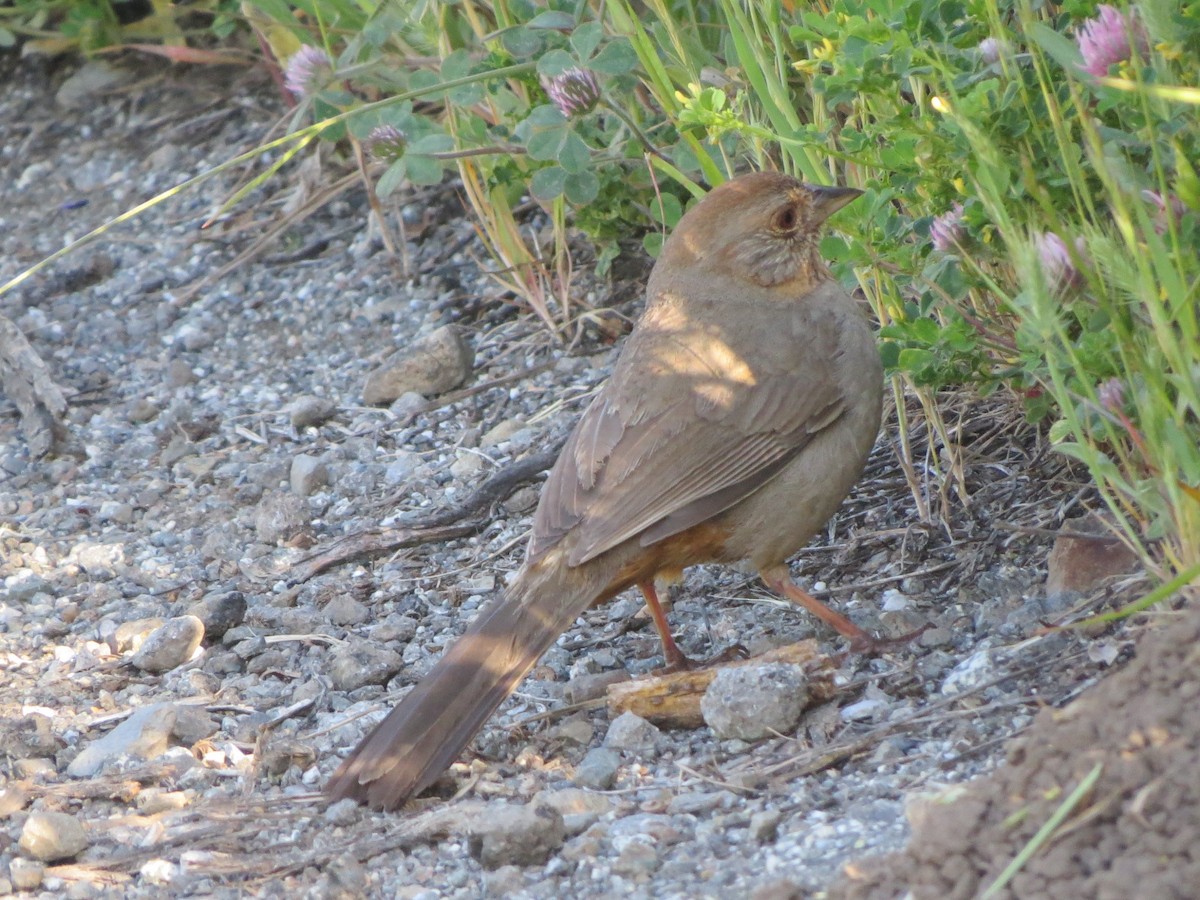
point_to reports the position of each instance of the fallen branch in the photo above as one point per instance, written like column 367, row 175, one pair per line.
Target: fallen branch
column 424, row 528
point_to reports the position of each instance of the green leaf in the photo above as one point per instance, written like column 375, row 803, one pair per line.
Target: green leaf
column 587, row 38
column 391, row 179
column 561, row 145
column 581, row 188
column 666, row 209
column 423, row 169
column 617, row 58
column 555, row 62
column 522, row 42
column 547, row 183
column 652, row 243
column 1059, row 48
column 552, row 19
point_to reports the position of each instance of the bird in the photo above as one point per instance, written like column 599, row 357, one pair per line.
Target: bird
column 740, row 412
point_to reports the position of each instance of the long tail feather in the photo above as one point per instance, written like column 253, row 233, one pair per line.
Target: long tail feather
column 435, row 721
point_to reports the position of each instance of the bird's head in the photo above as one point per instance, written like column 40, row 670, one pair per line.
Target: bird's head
column 764, row 227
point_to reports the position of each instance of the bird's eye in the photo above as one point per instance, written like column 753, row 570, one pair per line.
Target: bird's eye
column 785, row 219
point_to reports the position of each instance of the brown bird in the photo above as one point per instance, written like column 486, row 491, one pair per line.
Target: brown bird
column 740, row 412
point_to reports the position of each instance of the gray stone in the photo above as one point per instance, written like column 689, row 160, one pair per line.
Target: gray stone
column 345, row 610
column 308, row 474
column 358, row 663
column 309, row 411
column 144, row 735
column 516, row 835
column 25, row 874
column 631, row 732
column 50, row 836
column 220, row 612
column 598, row 769
column 432, row 365
column 171, row 645
column 279, row 517
column 753, row 702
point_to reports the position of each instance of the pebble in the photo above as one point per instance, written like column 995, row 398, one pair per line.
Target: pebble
column 25, row 874
column 429, row 366
column 507, row 835
column 307, row 411
column 51, row 836
column 144, row 735
column 598, row 769
column 219, row 612
column 169, row 646
column 753, row 702
column 308, row 474
column 631, row 732
column 279, row 517
column 345, row 610
column 358, row 663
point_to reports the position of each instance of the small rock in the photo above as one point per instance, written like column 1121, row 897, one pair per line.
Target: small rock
column 112, row 511
column 637, row 859
column 50, row 836
column 466, row 465
column 407, row 406
column 598, row 769
column 864, row 710
column 971, row 672
column 358, row 663
column 159, row 871
column 402, row 466
column 1081, row 564
column 91, row 80
column 343, row 812
column 631, row 732
column 432, row 365
column 394, row 628
column 764, row 825
column 754, row 702
column 144, row 735
column 171, row 645
column 179, row 374
column 25, row 874
column 345, row 610
column 501, row 433
column 505, row 881
column 280, row 516
column 516, row 835
column 309, row 411
column 192, row 724
column 21, row 587
column 308, row 474
column 219, row 612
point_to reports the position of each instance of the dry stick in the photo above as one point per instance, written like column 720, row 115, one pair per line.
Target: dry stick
column 444, row 525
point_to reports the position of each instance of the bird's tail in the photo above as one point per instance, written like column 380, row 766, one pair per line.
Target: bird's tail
column 435, row 721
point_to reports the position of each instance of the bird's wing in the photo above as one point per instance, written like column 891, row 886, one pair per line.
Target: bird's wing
column 652, row 463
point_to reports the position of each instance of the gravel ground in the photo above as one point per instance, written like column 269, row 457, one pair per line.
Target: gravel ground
column 179, row 684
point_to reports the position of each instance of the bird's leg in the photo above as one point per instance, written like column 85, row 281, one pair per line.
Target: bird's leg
column 676, row 661
column 779, row 580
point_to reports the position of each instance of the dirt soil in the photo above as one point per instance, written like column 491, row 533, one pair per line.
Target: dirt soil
column 219, row 441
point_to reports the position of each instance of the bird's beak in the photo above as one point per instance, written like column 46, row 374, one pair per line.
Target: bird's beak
column 828, row 200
